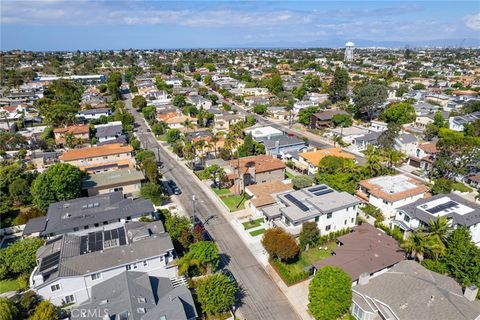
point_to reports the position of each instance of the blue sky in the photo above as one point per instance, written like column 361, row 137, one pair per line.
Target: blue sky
column 109, row 24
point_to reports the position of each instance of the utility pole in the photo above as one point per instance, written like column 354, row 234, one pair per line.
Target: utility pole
column 193, row 204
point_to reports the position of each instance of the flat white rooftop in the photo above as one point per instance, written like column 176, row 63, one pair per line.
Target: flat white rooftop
column 393, row 184
column 443, row 206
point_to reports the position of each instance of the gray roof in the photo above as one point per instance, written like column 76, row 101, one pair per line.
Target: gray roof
column 461, row 120
column 370, row 137
column 35, row 225
column 407, row 138
column 410, row 291
column 131, row 290
column 282, row 141
column 109, row 178
column 63, row 216
column 142, row 241
column 120, row 140
column 109, row 131
column 95, row 111
column 458, row 215
column 327, row 201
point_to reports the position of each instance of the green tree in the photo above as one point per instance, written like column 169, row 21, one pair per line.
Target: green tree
column 339, row 173
column 113, row 83
column 302, row 181
column 173, row 135
column 442, row 186
column 260, row 109
column 45, row 311
column 19, row 190
column 8, row 310
column 338, row 88
column 19, row 258
column 175, row 224
column 305, row 114
column 201, row 258
column 216, row 293
column 399, row 113
column 439, row 227
column 418, row 86
column 309, row 235
column 139, row 102
column 153, row 192
column 179, row 101
column 208, row 80
column 273, row 83
column 60, row 182
column 149, row 113
column 330, row 293
column 420, row 244
column 463, row 257
column 279, row 244
column 370, row 97
column 342, row 120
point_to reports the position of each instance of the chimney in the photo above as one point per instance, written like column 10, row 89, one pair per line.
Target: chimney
column 363, row 278
column 471, row 292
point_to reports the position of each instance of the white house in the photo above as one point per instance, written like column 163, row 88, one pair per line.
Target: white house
column 391, row 192
column 330, row 209
column 406, row 143
column 90, row 114
column 261, row 133
column 176, row 82
column 69, row 265
column 297, row 106
column 457, row 210
column 458, row 123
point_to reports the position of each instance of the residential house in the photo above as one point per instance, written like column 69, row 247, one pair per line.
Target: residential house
column 457, row 210
column 474, row 180
column 80, row 134
column 136, row 295
column 69, row 266
column 362, row 142
column 410, row 291
column 256, row 100
column 10, row 114
column 263, row 194
column 101, row 158
column 458, row 123
column 282, row 145
column 222, row 122
column 391, row 192
column 424, row 156
column 441, row 99
column 278, row 112
column 255, row 169
column 173, row 81
column 109, row 133
column 309, row 160
column 297, row 106
column 262, row 133
column 378, row 126
column 330, row 209
column 94, row 114
column 199, row 101
column 365, row 250
column 323, row 119
column 129, row 181
column 406, row 143
column 317, row 98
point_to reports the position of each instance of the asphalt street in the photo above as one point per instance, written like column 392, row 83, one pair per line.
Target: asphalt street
column 262, row 299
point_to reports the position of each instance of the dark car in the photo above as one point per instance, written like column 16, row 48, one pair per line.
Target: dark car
column 174, row 187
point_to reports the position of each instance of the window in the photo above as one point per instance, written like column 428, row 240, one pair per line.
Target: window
column 145, row 263
column 327, row 228
column 75, row 229
column 161, row 258
column 345, row 221
column 134, row 266
column 317, row 218
column 105, row 157
column 142, row 300
column 69, row 299
column 352, row 220
column 55, row 287
column 348, row 208
column 128, row 267
column 141, row 310
column 96, row 276
column 96, row 224
column 329, row 215
column 406, row 218
column 85, row 227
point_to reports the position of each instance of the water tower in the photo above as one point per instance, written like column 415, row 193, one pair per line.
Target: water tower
column 349, row 46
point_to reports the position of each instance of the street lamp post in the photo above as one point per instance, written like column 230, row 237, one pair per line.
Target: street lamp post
column 193, row 204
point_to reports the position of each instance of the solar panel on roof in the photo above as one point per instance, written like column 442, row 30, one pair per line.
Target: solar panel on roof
column 442, row 207
column 296, row 202
column 315, row 189
column 322, row 192
column 49, row 261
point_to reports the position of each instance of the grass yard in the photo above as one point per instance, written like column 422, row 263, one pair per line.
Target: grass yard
column 292, row 273
column 257, row 232
column 288, row 175
column 221, row 192
column 461, row 187
column 234, row 202
column 252, row 224
column 8, row 285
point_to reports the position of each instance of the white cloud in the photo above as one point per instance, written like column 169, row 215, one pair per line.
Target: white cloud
column 473, row 21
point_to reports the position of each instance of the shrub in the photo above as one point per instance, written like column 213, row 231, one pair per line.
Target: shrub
column 435, row 266
column 280, row 244
column 288, row 276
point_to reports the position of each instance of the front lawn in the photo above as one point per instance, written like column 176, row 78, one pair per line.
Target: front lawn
column 234, row 202
column 8, row 285
column 252, row 224
column 257, row 232
column 288, row 175
column 294, row 272
column 221, row 192
column 461, row 187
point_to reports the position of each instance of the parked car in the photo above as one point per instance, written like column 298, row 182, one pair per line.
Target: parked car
column 173, row 186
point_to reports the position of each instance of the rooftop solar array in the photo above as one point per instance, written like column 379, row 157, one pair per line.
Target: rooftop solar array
column 317, row 188
column 442, row 207
column 99, row 240
column 322, row 192
column 50, row 261
column 296, row 202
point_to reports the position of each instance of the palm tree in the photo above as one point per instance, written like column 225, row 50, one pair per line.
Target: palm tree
column 393, row 157
column 373, row 160
column 214, row 141
column 416, row 246
column 188, row 124
column 439, row 227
